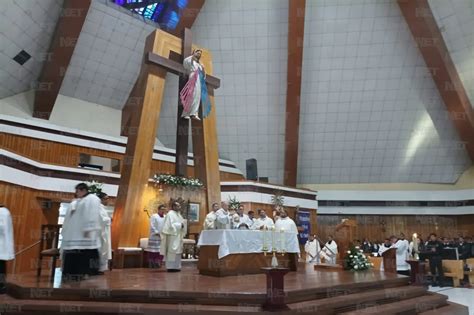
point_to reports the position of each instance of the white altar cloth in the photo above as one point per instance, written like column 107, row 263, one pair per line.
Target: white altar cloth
column 248, row 241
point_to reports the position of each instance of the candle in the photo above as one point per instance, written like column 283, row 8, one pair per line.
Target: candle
column 265, row 249
column 282, row 240
column 273, row 238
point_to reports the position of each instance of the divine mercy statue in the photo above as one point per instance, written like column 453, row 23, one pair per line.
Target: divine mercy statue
column 195, row 90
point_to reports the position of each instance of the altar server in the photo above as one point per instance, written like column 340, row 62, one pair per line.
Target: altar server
column 157, row 222
column 240, row 219
column 329, row 251
column 6, row 245
column 222, row 217
column 105, row 252
column 211, row 218
column 285, row 223
column 263, row 222
column 174, row 230
column 312, row 249
column 81, row 235
column 402, row 256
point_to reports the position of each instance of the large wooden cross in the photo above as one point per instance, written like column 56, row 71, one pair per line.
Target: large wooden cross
column 140, row 116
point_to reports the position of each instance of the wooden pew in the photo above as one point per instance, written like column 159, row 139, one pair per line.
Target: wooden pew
column 454, row 269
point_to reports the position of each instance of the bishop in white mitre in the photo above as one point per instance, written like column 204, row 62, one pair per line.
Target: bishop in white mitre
column 6, row 245
column 211, row 218
column 172, row 236
column 222, row 217
column 263, row 222
column 285, row 223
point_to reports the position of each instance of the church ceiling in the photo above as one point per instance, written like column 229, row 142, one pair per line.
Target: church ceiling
column 370, row 111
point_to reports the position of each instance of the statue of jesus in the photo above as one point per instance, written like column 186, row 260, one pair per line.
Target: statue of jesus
column 195, row 90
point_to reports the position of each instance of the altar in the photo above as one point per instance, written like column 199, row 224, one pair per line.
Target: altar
column 238, row 252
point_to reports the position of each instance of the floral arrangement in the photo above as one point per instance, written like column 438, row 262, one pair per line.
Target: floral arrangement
column 355, row 260
column 95, row 187
column 234, row 203
column 174, row 180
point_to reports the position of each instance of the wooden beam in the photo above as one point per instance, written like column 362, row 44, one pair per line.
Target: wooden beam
column 138, row 154
column 68, row 29
column 296, row 15
column 182, row 132
column 430, row 42
column 178, row 69
column 188, row 16
column 206, row 150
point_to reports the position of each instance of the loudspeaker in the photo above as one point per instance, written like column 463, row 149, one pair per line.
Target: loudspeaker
column 252, row 173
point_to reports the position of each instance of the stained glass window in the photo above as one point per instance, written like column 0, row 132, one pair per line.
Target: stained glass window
column 166, row 13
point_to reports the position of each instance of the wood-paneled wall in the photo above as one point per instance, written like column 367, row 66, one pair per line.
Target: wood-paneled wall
column 68, row 155
column 28, row 216
column 378, row 227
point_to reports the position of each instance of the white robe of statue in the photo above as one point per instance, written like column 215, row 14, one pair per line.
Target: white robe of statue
column 7, row 247
column 172, row 235
column 286, row 224
column 312, row 249
column 192, row 67
column 210, row 221
column 105, row 251
column 267, row 223
column 156, row 227
column 329, row 252
column 402, row 255
column 82, row 224
column 223, row 220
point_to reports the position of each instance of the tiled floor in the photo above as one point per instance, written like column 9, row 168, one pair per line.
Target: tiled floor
column 464, row 296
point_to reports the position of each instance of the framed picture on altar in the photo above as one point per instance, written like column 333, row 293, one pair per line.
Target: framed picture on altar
column 193, row 214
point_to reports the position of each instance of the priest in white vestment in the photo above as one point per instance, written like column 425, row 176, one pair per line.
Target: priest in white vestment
column 157, row 222
column 285, row 223
column 211, row 218
column 105, row 251
column 7, row 248
column 81, row 235
column 382, row 249
column 312, row 249
column 240, row 219
column 172, row 236
column 329, row 251
column 402, row 254
column 222, row 217
column 263, row 222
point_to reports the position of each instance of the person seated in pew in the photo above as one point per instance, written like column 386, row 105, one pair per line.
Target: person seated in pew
column 366, row 246
column 446, row 243
column 262, row 222
column 463, row 248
